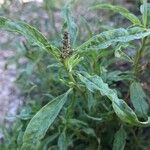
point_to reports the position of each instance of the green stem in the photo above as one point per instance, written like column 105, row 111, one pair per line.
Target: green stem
column 71, row 77
column 70, row 109
column 76, row 87
column 138, row 57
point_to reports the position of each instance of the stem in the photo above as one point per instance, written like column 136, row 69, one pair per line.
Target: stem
column 138, row 57
column 70, row 109
column 75, row 83
column 71, row 77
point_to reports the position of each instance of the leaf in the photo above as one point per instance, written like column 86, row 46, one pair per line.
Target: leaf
column 31, row 34
column 47, row 141
column 138, row 99
column 94, row 118
column 114, row 76
column 121, row 10
column 108, row 38
column 77, row 122
column 86, row 25
column 90, row 101
column 69, row 23
column 123, row 56
column 89, row 131
column 72, row 61
column 119, row 76
column 25, row 113
column 148, row 13
column 123, row 111
column 119, row 53
column 144, row 11
column 62, row 141
column 40, row 123
column 120, row 139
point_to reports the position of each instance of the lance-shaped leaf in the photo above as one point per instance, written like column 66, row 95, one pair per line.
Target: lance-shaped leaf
column 144, row 11
column 138, row 99
column 124, row 112
column 62, row 141
column 121, row 10
column 69, row 23
column 40, row 123
column 108, row 38
column 30, row 33
column 120, row 139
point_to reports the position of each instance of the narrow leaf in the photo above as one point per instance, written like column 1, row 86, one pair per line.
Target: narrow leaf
column 90, row 101
column 47, row 141
column 121, row 10
column 31, row 34
column 148, row 13
column 120, row 139
column 138, row 99
column 144, row 11
column 123, row 111
column 108, row 38
column 40, row 123
column 62, row 141
column 86, row 25
column 123, row 56
column 94, row 118
column 70, row 23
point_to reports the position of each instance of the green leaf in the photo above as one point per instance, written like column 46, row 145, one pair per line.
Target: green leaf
column 123, row 111
column 40, row 123
column 94, row 118
column 120, row 139
column 31, row 34
column 69, row 23
column 148, row 13
column 123, row 56
column 47, row 141
column 89, row 131
column 72, row 61
column 144, row 11
column 138, row 99
column 119, row 76
column 90, row 101
column 108, row 38
column 113, row 76
column 86, row 25
column 25, row 113
column 121, row 10
column 77, row 123
column 62, row 141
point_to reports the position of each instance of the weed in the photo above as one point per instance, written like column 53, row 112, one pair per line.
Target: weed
column 88, row 106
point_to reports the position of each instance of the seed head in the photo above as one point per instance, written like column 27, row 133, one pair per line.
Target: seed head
column 66, row 49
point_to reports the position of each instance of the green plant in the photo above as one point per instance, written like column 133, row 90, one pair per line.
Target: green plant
column 88, row 113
